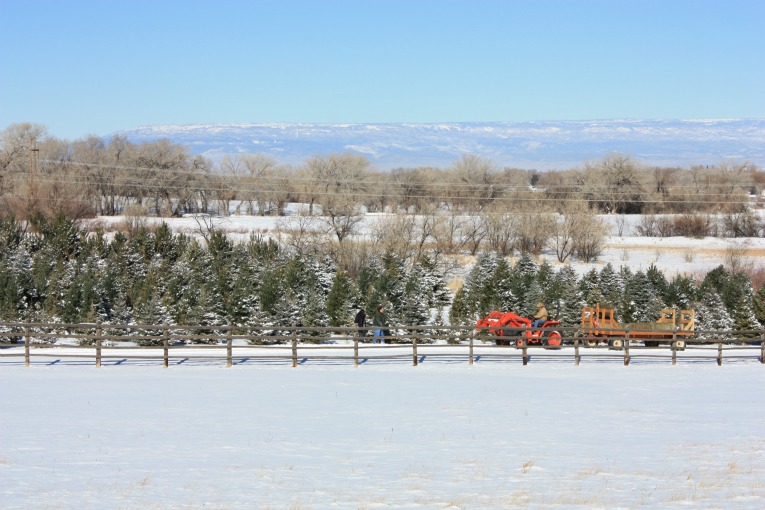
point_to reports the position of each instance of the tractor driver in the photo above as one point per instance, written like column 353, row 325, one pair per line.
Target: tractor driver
column 541, row 316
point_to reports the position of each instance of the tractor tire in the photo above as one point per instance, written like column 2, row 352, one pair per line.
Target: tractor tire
column 552, row 340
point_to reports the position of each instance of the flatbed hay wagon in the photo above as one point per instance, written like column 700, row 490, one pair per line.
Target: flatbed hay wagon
column 673, row 327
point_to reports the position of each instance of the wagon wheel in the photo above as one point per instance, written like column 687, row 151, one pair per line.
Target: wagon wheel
column 590, row 342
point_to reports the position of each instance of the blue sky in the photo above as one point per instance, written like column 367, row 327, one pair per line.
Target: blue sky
column 95, row 67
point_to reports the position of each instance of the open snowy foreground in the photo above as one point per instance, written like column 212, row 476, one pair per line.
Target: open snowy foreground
column 384, row 435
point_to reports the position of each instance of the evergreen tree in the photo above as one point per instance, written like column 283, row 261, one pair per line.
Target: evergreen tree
column 611, row 286
column 151, row 311
column 712, row 316
column 414, row 310
column 545, row 277
column 681, row 292
column 658, row 281
column 502, row 284
column 589, row 288
column 313, row 314
column 479, row 285
column 534, row 295
column 433, row 284
column 645, row 305
column 341, row 300
column 744, row 319
column 758, row 305
column 460, row 313
column 569, row 302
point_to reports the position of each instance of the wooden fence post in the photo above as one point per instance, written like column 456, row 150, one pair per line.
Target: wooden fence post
column 229, row 348
column 626, row 348
column 674, row 347
column 166, row 346
column 525, row 352
column 762, row 347
column 472, row 342
column 356, row 351
column 98, row 344
column 414, row 351
column 577, row 357
column 294, row 348
column 719, row 354
column 27, row 341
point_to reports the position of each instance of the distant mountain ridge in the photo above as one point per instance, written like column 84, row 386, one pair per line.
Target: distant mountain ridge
column 531, row 145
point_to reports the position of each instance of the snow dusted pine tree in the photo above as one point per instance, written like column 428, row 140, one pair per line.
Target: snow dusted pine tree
column 341, row 300
column 433, row 284
column 744, row 319
column 758, row 305
column 414, row 309
column 712, row 316
column 502, row 283
column 570, row 301
column 478, row 285
column 681, row 292
column 611, row 286
column 589, row 288
column 646, row 305
column 534, row 295
column 524, row 273
column 460, row 313
column 150, row 311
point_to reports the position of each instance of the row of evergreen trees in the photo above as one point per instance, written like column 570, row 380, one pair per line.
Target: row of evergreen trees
column 722, row 301
column 56, row 272
column 62, row 274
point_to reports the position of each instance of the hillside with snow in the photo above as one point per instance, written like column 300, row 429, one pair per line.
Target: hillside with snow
column 531, row 145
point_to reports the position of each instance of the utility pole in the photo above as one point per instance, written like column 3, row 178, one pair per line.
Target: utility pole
column 34, row 153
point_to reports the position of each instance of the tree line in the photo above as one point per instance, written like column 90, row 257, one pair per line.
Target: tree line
column 54, row 271
column 93, row 176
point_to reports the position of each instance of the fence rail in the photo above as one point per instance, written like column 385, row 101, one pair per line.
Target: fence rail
column 296, row 345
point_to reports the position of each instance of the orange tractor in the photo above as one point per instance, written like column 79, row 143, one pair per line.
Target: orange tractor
column 511, row 328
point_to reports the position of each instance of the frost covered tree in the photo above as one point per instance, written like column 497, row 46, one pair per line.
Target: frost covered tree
column 478, row 285
column 460, row 314
column 341, row 300
column 569, row 301
column 502, row 283
column 645, row 304
column 681, row 292
column 712, row 316
column 414, row 310
column 151, row 311
column 611, row 286
column 758, row 305
column 433, row 283
column 589, row 287
column 744, row 319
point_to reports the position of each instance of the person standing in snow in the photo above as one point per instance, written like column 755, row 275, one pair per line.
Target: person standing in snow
column 380, row 321
column 361, row 323
column 541, row 316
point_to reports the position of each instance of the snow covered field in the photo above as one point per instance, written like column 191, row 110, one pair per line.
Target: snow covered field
column 384, row 435
column 670, row 254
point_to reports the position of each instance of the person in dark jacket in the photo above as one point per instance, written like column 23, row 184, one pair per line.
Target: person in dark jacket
column 361, row 323
column 380, row 321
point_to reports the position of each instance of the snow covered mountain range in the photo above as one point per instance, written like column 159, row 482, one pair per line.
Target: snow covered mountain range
column 530, row 145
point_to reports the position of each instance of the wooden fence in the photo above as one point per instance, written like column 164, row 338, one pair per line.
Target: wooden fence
column 295, row 345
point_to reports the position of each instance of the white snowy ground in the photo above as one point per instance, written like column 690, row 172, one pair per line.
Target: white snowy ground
column 444, row 434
